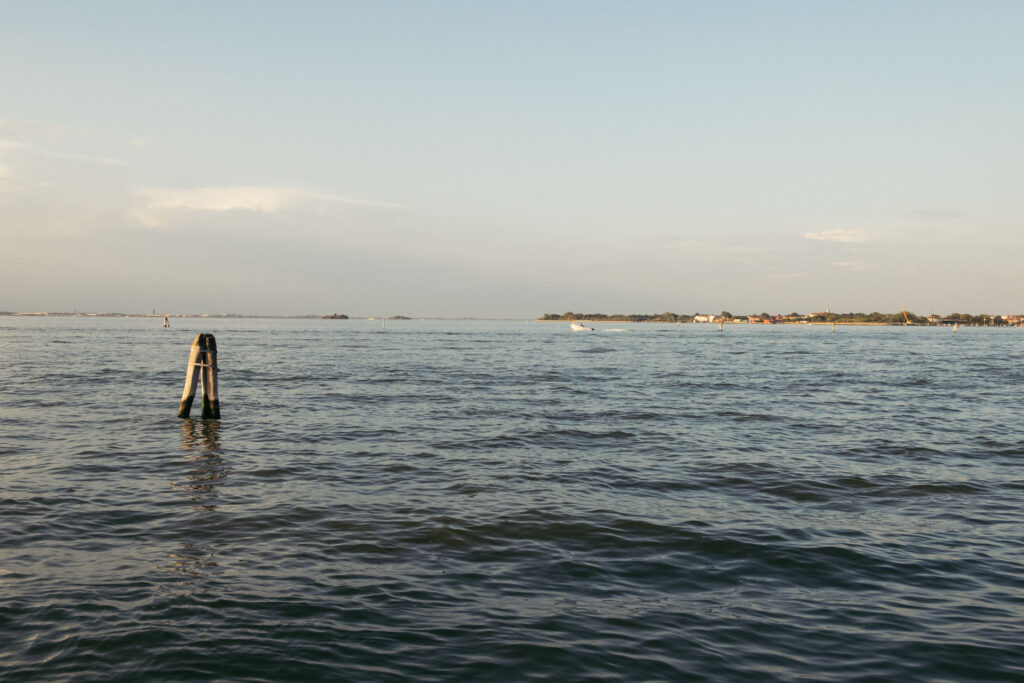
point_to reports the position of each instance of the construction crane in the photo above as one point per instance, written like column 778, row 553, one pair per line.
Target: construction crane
column 905, row 316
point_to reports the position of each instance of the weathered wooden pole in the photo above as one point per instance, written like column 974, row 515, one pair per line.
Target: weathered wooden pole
column 202, row 362
column 211, row 404
column 191, row 379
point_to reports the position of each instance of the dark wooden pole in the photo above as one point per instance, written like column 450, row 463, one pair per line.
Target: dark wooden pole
column 211, row 403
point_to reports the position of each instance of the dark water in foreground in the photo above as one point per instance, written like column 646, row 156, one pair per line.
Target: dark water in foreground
column 510, row 501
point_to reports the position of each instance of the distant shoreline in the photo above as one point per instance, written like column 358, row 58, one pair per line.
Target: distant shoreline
column 890, row 320
column 238, row 316
column 861, row 319
column 744, row 322
column 733, row 322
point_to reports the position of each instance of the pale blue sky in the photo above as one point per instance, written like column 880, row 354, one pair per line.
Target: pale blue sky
column 511, row 158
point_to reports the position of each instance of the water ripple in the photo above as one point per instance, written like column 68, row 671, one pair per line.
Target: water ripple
column 452, row 501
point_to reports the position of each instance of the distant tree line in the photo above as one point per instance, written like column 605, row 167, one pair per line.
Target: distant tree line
column 982, row 319
column 873, row 317
column 900, row 319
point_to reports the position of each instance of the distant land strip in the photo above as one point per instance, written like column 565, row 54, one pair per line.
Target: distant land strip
column 827, row 317
column 873, row 318
column 243, row 316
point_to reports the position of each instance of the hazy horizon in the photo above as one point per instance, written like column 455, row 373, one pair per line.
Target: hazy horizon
column 506, row 160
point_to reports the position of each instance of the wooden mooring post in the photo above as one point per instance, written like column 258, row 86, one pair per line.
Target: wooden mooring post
column 202, row 364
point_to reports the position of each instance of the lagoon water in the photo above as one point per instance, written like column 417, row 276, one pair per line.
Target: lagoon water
column 510, row 501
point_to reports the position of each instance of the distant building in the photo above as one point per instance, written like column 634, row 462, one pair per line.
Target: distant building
column 703, row 318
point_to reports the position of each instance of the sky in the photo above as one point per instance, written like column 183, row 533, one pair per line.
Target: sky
column 508, row 159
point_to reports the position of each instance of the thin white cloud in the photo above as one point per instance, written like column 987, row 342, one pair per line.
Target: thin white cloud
column 257, row 198
column 86, row 158
column 857, row 266
column 838, row 235
column 736, row 243
column 23, row 147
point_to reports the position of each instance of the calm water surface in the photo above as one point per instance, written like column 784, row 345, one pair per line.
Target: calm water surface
column 511, row 501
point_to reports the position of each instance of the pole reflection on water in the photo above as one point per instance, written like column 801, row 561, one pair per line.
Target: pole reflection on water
column 201, row 442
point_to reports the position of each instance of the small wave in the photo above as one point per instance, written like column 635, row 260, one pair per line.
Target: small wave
column 750, row 417
column 946, row 488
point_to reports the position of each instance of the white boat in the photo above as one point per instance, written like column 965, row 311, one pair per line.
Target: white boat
column 579, row 327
